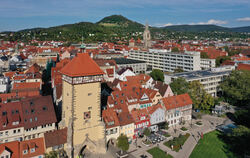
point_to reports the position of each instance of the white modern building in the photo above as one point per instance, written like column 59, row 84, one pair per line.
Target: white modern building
column 137, row 66
column 166, row 60
column 210, row 79
column 207, row 63
column 4, row 84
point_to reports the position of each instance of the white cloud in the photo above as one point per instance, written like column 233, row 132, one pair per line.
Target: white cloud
column 168, row 24
column 211, row 22
column 243, row 19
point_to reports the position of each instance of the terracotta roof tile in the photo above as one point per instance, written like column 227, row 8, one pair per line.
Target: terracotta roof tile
column 81, row 65
column 177, row 101
column 55, row 138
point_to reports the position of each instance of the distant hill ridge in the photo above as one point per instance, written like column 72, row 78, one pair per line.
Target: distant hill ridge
column 121, row 21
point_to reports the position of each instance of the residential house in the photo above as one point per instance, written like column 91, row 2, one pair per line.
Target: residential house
column 157, row 116
column 178, row 109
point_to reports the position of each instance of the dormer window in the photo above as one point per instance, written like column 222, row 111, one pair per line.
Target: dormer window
column 32, row 150
column 25, row 152
column 4, row 113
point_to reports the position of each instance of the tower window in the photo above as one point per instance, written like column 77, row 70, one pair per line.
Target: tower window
column 87, row 115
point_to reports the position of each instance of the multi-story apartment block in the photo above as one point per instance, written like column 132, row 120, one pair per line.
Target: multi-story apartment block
column 166, row 60
column 137, row 66
column 207, row 63
column 27, row 119
column 210, row 79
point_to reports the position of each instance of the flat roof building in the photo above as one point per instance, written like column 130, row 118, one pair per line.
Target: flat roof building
column 166, row 60
column 138, row 66
column 210, row 79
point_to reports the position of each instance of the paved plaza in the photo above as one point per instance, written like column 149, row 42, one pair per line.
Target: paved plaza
column 209, row 123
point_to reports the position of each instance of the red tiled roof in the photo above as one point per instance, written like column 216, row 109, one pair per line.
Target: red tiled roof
column 7, row 111
column 55, row 138
column 33, row 69
column 43, row 111
column 81, row 65
column 26, row 86
column 153, row 108
column 109, row 115
column 38, row 143
column 243, row 67
column 12, row 147
column 177, row 101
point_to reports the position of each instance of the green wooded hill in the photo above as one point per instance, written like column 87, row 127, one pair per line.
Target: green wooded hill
column 117, row 27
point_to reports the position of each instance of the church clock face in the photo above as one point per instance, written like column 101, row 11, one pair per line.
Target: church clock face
column 87, row 115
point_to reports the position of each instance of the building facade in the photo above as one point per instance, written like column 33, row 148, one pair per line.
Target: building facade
column 210, row 79
column 81, row 109
column 166, row 60
column 207, row 63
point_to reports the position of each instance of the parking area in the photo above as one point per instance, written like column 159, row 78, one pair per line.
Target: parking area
column 155, row 138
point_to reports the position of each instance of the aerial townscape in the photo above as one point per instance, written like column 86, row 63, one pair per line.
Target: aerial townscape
column 117, row 88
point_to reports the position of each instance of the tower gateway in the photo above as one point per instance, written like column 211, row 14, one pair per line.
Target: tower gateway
column 81, row 111
column 147, row 37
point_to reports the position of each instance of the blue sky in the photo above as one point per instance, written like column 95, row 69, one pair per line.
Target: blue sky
column 22, row 14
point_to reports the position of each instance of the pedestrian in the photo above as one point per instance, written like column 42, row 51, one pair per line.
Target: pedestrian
column 172, row 146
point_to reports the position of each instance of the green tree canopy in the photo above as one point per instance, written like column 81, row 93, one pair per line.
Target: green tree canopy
column 146, row 131
column 175, row 49
column 179, row 86
column 178, row 70
column 204, row 55
column 122, row 142
column 201, row 99
column 235, row 88
column 219, row 60
column 157, row 75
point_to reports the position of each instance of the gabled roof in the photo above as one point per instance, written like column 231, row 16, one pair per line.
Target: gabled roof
column 37, row 144
column 38, row 111
column 81, row 65
column 55, row 138
column 243, row 67
column 26, row 86
column 177, row 101
column 12, row 147
column 109, row 115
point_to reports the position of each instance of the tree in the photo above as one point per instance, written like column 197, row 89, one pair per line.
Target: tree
column 166, row 125
column 219, row 60
column 175, row 49
column 201, row 100
column 178, row 70
column 52, row 154
column 122, row 143
column 157, row 75
column 179, row 86
column 146, row 131
column 238, row 141
column 204, row 55
column 235, row 88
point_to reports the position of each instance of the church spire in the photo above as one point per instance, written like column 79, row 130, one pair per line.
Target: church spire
column 147, row 36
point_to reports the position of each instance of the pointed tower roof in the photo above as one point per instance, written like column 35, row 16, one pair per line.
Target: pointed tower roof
column 81, row 65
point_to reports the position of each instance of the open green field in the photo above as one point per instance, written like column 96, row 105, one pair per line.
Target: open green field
column 211, row 147
column 158, row 153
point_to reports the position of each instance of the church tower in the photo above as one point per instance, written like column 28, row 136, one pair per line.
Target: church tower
column 81, row 111
column 147, row 37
